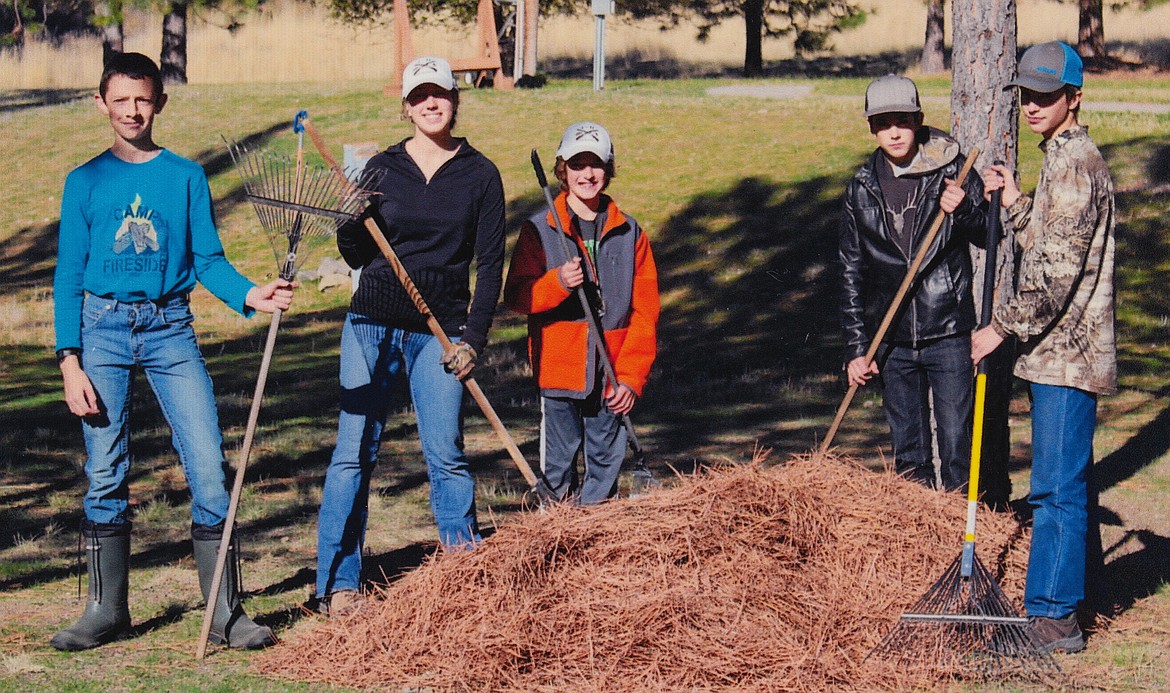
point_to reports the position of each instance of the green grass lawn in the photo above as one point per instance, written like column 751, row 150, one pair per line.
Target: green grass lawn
column 740, row 197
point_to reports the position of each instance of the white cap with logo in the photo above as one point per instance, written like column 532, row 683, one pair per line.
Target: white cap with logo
column 427, row 70
column 586, row 137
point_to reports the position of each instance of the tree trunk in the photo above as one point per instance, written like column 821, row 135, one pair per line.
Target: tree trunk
column 173, row 60
column 1091, row 29
column 933, row 59
column 108, row 17
column 753, row 55
column 113, row 40
column 985, row 115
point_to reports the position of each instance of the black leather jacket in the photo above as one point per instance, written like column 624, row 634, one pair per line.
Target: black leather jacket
column 939, row 303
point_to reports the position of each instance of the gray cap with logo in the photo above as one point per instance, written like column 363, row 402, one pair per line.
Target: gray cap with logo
column 1047, row 67
column 891, row 94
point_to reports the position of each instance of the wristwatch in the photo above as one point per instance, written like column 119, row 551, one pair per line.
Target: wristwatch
column 67, row 351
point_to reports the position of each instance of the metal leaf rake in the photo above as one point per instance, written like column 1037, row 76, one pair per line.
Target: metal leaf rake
column 296, row 204
column 964, row 625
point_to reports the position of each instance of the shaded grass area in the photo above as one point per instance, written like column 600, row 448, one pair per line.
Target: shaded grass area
column 740, row 197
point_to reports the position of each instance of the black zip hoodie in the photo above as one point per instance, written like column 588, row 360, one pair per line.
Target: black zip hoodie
column 435, row 228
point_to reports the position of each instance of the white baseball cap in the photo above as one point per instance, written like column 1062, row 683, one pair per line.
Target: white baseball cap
column 427, row 70
column 586, row 137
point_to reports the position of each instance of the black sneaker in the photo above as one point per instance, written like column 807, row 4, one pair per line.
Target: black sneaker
column 1056, row 634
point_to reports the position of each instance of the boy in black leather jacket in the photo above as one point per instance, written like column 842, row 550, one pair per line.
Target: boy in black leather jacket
column 923, row 363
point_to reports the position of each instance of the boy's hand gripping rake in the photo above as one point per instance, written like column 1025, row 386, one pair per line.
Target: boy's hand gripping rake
column 641, row 478
column 896, row 304
column 537, row 484
column 295, row 205
column 965, row 623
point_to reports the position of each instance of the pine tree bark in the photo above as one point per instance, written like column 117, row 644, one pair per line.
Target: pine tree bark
column 933, row 56
column 1091, row 29
column 985, row 115
column 173, row 58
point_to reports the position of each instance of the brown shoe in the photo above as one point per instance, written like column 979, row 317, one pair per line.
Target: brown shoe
column 344, row 603
column 1056, row 634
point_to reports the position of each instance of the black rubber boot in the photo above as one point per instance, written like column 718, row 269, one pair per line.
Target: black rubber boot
column 229, row 625
column 107, row 614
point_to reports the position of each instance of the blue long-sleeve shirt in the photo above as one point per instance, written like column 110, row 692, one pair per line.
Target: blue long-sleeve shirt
column 135, row 232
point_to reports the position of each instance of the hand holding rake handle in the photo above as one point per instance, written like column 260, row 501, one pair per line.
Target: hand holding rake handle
column 539, row 485
column 896, row 304
column 988, row 301
column 641, row 472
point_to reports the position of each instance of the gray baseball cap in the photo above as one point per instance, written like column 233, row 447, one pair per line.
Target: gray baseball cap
column 891, row 94
column 1047, row 67
column 427, row 70
column 586, row 137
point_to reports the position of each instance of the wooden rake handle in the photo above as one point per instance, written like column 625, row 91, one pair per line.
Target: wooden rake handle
column 896, row 304
column 432, row 324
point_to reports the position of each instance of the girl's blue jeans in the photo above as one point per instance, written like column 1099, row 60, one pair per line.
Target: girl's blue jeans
column 374, row 359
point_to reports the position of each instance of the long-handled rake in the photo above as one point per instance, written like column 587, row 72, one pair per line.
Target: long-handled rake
column 896, row 304
column 537, row 484
column 965, row 624
column 641, row 479
column 296, row 206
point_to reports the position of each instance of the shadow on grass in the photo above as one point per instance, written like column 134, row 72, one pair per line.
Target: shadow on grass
column 1150, row 55
column 12, row 101
column 1137, row 574
column 750, row 353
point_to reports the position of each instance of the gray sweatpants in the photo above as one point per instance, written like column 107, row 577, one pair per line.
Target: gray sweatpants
column 569, row 425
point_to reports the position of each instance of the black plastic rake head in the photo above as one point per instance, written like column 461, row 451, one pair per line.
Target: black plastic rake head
column 296, row 203
column 966, row 628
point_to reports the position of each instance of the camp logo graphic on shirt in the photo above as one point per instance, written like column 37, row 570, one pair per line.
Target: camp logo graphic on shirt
column 136, row 241
column 137, row 230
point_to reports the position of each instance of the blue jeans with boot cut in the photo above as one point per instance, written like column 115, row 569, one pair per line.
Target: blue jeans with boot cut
column 374, row 359
column 1063, row 421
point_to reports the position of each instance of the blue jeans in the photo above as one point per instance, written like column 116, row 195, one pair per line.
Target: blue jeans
column 1063, row 421
column 908, row 377
column 374, row 359
column 117, row 340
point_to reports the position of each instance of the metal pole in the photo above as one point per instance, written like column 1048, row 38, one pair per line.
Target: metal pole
column 599, row 52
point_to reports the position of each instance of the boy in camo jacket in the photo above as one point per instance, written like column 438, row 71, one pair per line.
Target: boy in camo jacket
column 1062, row 313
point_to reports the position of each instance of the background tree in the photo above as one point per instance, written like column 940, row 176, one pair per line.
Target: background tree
column 933, row 58
column 986, row 115
column 226, row 14
column 107, row 17
column 173, row 56
column 1091, row 28
column 810, row 23
column 46, row 20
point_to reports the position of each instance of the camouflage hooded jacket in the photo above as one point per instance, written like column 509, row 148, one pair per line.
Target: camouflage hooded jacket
column 1063, row 308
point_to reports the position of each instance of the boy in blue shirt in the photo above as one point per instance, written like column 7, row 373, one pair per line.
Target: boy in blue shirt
column 137, row 231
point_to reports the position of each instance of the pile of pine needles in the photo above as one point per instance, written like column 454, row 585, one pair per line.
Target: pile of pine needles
column 746, row 577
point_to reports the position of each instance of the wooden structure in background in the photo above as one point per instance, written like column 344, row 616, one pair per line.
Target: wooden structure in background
column 486, row 59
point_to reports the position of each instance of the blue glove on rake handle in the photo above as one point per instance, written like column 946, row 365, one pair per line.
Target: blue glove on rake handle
column 641, row 478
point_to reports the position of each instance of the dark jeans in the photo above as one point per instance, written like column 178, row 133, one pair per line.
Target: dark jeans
column 909, row 376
